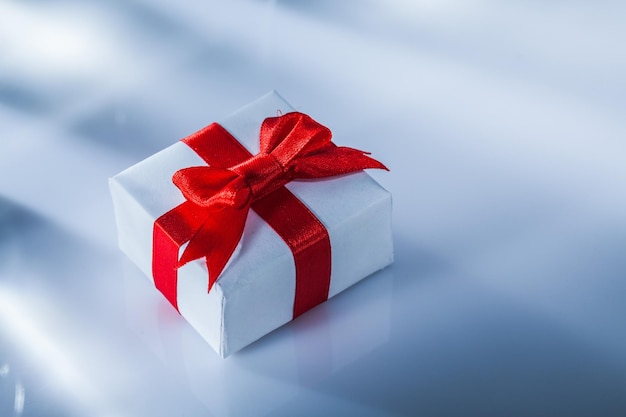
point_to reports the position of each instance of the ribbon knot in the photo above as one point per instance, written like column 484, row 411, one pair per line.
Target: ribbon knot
column 293, row 146
column 262, row 174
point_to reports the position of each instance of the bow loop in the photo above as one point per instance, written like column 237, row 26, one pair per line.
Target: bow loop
column 292, row 135
column 211, row 187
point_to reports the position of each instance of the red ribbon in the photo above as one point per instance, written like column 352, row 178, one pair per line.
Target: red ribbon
column 219, row 196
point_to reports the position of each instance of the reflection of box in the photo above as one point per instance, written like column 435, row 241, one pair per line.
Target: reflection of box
column 286, row 370
column 255, row 293
column 284, row 367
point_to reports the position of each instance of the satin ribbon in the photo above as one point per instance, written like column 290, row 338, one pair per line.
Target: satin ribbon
column 219, row 197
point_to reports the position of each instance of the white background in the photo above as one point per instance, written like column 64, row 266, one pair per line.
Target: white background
column 503, row 126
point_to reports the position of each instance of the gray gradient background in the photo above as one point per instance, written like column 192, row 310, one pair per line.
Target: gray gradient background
column 502, row 123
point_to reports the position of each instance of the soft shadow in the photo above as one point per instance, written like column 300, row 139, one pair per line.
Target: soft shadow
column 124, row 128
column 487, row 362
column 38, row 257
column 20, row 97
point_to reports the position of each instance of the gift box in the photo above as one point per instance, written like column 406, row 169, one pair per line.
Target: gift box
column 250, row 222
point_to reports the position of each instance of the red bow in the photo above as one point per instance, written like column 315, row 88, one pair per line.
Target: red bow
column 293, row 146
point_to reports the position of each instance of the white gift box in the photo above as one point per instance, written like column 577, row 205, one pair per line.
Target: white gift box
column 255, row 293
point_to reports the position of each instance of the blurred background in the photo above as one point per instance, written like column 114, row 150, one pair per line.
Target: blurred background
column 502, row 123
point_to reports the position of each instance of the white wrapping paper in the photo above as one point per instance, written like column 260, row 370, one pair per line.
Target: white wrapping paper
column 255, row 293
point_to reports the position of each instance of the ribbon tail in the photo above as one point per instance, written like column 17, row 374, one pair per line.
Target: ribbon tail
column 216, row 240
column 334, row 160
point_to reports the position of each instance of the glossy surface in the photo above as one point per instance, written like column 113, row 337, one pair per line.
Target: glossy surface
column 502, row 123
